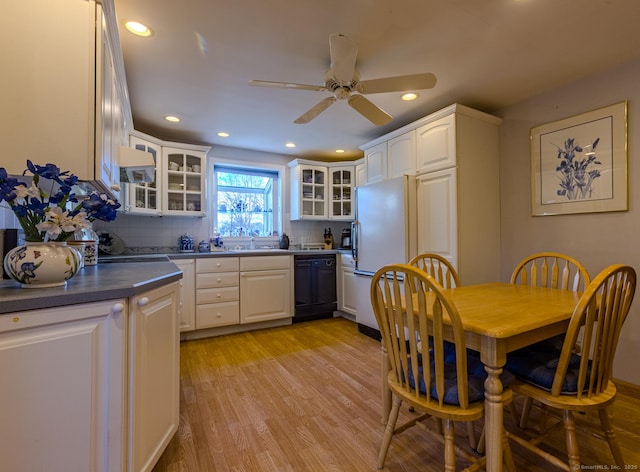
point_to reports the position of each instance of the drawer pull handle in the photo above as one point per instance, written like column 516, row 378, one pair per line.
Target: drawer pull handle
column 219, row 315
column 218, row 295
column 219, row 280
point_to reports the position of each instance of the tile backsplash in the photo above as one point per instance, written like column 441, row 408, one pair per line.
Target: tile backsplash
column 147, row 231
column 7, row 217
column 151, row 231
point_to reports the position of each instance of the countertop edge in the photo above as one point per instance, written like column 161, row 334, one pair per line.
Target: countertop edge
column 93, row 284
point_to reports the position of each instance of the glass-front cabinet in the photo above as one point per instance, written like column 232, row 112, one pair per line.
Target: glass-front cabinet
column 322, row 192
column 309, row 191
column 183, row 172
column 341, row 206
column 178, row 187
column 145, row 198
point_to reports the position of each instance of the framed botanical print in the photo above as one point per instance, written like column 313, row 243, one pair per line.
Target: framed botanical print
column 579, row 164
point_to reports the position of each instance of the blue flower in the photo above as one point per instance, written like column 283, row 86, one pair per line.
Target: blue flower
column 48, row 214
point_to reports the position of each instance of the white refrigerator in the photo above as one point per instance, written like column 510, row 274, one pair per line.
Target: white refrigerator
column 384, row 232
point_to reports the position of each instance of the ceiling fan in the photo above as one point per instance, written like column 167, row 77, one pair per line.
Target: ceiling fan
column 342, row 79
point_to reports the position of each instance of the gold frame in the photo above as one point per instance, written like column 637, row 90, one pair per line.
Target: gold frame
column 579, row 164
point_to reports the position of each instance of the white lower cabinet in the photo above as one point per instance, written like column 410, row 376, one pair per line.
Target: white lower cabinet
column 347, row 285
column 217, row 292
column 187, row 307
column 154, row 375
column 266, row 286
column 90, row 387
column 63, row 388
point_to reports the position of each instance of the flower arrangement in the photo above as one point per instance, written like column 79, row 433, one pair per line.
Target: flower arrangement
column 47, row 209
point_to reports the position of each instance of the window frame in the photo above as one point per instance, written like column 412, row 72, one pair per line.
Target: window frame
column 278, row 189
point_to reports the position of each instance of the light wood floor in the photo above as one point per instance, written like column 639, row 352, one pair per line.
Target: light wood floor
column 306, row 398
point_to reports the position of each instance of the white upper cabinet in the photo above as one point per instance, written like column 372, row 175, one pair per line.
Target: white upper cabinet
column 145, row 198
column 401, row 155
column 63, row 93
column 436, row 144
column 308, row 190
column 376, row 162
column 178, row 187
column 321, row 192
column 341, row 183
column 361, row 172
column 183, row 171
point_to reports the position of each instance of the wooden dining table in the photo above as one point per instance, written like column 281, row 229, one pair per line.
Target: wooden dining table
column 499, row 318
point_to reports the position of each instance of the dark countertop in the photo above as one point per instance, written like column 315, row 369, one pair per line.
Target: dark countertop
column 104, row 281
column 119, row 277
column 230, row 253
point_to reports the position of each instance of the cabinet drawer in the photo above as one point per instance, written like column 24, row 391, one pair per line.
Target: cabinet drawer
column 264, row 262
column 217, row 314
column 216, row 279
column 216, row 264
column 215, row 295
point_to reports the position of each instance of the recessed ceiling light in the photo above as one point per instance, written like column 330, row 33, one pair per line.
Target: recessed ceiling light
column 137, row 28
column 223, row 134
column 172, row 119
column 409, row 96
column 290, row 145
column 339, row 151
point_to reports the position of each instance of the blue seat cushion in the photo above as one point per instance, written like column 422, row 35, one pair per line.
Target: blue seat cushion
column 536, row 364
column 476, row 375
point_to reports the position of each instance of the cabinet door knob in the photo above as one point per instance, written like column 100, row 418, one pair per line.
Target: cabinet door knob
column 118, row 308
column 143, row 301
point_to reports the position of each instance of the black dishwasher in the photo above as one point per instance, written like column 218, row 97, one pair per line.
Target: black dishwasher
column 315, row 286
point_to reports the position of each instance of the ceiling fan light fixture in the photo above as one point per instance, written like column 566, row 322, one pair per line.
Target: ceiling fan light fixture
column 290, row 145
column 137, row 28
column 407, row 97
column 223, row 134
column 172, row 118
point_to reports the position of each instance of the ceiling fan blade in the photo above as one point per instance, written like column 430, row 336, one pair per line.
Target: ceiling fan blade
column 343, row 57
column 400, row 83
column 321, row 106
column 287, row 85
column 370, row 111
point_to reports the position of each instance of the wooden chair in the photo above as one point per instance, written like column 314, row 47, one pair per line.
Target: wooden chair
column 431, row 382
column 553, row 270
column 437, row 267
column 446, row 275
column 579, row 382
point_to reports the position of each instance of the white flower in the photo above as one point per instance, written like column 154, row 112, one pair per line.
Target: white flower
column 58, row 221
column 22, row 191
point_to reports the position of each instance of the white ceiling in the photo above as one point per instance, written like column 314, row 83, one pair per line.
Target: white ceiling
column 486, row 54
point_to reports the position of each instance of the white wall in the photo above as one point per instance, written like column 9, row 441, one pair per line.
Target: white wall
column 595, row 239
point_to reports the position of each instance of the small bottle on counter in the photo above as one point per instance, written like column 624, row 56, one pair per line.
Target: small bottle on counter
column 284, row 241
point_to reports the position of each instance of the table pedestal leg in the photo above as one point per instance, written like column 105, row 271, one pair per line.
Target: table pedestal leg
column 493, row 418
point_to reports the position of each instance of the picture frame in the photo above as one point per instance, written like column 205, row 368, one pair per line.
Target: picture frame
column 579, row 164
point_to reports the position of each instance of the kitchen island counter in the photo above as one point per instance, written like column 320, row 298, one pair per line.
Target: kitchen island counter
column 93, row 283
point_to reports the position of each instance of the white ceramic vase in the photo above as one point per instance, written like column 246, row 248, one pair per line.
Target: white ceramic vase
column 41, row 265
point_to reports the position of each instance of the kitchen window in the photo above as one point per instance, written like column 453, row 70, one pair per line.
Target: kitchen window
column 246, row 201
